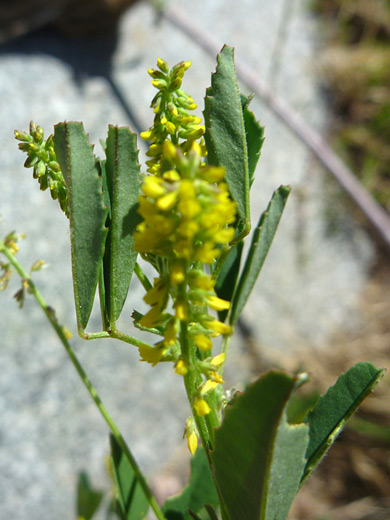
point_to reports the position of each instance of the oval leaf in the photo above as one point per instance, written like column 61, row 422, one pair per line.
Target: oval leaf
column 87, row 213
column 333, row 410
column 123, row 183
column 132, row 502
column 199, row 491
column 225, row 130
column 259, row 458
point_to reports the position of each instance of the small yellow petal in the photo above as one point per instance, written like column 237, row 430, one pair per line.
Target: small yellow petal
column 181, row 368
column 201, row 406
column 192, row 441
column 203, row 342
column 217, row 303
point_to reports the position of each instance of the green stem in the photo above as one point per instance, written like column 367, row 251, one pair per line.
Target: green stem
column 87, row 383
column 142, row 277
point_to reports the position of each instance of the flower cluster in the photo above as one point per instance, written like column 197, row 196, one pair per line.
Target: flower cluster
column 187, row 222
column 172, row 119
column 41, row 157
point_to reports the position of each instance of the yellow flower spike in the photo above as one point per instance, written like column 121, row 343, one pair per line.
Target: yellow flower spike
column 181, row 368
column 217, row 303
column 219, row 360
column 218, row 327
column 203, row 342
column 201, row 407
column 192, row 442
column 166, row 202
column 177, row 274
column 181, row 310
column 153, row 188
column 151, row 355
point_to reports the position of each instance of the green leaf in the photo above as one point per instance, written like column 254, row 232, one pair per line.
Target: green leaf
column 225, row 130
column 261, row 243
column 88, row 499
column 132, row 502
column 259, row 458
column 254, row 133
column 333, row 410
column 228, row 276
column 199, row 491
column 87, row 213
column 123, row 183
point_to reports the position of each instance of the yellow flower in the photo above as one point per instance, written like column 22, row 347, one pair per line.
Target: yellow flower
column 177, row 273
column 217, row 303
column 181, row 368
column 151, row 355
column 181, row 309
column 151, row 318
column 201, row 407
column 203, row 342
column 192, row 442
column 218, row 327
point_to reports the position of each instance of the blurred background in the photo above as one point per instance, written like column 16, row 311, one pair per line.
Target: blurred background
column 322, row 300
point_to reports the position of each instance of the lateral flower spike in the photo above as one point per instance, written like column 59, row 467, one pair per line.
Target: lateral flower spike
column 42, row 158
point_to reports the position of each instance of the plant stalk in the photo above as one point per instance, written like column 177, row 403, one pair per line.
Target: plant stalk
column 84, row 378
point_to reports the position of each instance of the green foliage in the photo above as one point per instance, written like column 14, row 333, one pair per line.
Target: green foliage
column 261, row 243
column 88, row 499
column 199, row 491
column 87, row 213
column 132, row 503
column 123, row 184
column 333, row 410
column 225, row 131
column 254, row 134
column 259, row 458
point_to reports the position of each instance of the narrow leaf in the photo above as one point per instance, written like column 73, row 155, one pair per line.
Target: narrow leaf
column 228, row 276
column 123, row 182
column 199, row 491
column 88, row 499
column 132, row 502
column 259, row 457
column 254, row 133
column 261, row 243
column 332, row 410
column 87, row 213
column 225, row 131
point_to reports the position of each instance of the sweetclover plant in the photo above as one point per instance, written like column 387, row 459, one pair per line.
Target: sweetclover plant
column 187, row 217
